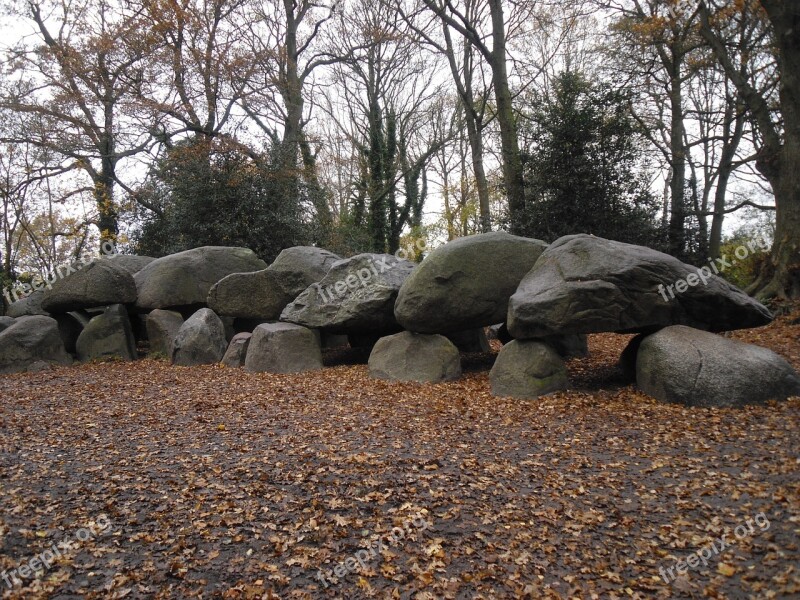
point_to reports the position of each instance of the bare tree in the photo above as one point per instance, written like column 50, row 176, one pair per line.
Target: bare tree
column 466, row 21
column 80, row 74
column 382, row 100
column 199, row 65
column 468, row 78
column 36, row 231
column 778, row 131
column 663, row 41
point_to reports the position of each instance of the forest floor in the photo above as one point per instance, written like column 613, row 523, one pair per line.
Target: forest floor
column 216, row 483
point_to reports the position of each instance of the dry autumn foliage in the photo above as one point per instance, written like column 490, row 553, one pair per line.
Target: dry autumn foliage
column 224, row 484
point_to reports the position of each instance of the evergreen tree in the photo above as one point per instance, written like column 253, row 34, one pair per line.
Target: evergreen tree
column 213, row 193
column 583, row 173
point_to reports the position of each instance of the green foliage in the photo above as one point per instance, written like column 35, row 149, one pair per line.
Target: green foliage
column 582, row 169
column 753, row 254
column 349, row 237
column 216, row 194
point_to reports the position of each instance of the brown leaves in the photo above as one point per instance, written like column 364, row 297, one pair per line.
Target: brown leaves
column 228, row 484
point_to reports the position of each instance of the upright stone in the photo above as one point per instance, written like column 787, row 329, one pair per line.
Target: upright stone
column 200, row 340
column 283, row 348
column 162, row 328
column 108, row 335
column 236, row 353
column 408, row 356
column 31, row 340
column 527, row 370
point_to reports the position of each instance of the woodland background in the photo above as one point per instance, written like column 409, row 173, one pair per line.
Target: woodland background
column 363, row 125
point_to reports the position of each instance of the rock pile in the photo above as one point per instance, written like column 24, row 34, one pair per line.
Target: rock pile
column 218, row 304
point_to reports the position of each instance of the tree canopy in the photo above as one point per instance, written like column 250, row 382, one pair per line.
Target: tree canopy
column 350, row 124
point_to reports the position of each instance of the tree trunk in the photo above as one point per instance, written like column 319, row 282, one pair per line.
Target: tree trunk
column 107, row 221
column 107, row 216
column 677, row 219
column 316, row 193
column 473, row 119
column 733, row 131
column 780, row 276
column 785, row 256
column 448, row 211
column 291, row 91
column 474, row 130
column 509, row 144
column 779, row 160
column 476, row 149
column 378, row 209
column 780, row 163
column 715, row 241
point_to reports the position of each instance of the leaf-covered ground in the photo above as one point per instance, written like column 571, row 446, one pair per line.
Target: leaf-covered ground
column 223, row 484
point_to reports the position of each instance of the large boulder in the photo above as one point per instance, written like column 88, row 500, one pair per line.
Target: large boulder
column 162, row 328
column 5, row 323
column 130, row 262
column 237, row 350
column 28, row 306
column 417, row 357
column 200, row 340
column 98, row 283
column 30, row 341
column 696, row 368
column 258, row 295
column 527, row 369
column 586, row 284
column 466, row 283
column 108, row 335
column 356, row 296
column 185, row 278
column 264, row 294
column 283, row 348
column 301, row 266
